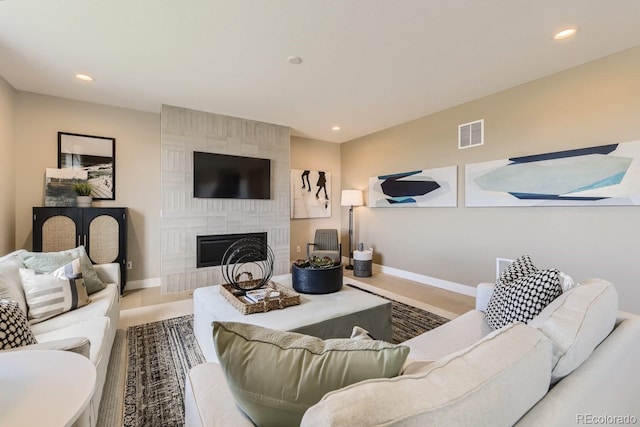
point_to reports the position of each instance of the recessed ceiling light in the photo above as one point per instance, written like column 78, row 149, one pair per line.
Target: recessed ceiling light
column 84, row 77
column 336, row 128
column 295, row 60
column 565, row 34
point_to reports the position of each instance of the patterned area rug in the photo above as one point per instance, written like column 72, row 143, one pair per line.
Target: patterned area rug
column 161, row 353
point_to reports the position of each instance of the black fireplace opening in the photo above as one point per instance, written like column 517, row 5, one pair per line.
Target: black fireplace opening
column 211, row 248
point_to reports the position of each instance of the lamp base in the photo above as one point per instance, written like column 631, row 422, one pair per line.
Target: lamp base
column 349, row 267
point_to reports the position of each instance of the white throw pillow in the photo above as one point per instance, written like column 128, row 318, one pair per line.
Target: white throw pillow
column 51, row 294
column 576, row 322
column 10, row 285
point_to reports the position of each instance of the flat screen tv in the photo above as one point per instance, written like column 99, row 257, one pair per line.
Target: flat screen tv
column 221, row 176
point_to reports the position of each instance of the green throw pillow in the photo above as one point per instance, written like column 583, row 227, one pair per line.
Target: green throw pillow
column 46, row 262
column 276, row 376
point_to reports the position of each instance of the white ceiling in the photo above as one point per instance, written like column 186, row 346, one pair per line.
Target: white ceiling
column 367, row 64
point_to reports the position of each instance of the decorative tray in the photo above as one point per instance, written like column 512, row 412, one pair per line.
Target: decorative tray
column 286, row 299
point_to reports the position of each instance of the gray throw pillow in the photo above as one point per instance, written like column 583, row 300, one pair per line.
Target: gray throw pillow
column 46, row 262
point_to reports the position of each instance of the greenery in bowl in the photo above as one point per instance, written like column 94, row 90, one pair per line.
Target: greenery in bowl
column 82, row 189
column 316, row 262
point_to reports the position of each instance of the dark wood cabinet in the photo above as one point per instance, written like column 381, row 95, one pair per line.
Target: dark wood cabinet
column 102, row 231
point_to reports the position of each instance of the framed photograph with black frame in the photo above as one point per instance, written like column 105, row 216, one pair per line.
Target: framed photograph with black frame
column 96, row 155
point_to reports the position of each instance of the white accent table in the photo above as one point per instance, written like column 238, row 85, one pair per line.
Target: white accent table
column 325, row 316
column 362, row 261
column 44, row 387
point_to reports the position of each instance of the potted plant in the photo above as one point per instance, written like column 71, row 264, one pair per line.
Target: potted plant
column 83, row 190
column 316, row 275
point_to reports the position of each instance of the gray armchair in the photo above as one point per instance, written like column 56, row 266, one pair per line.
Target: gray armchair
column 325, row 243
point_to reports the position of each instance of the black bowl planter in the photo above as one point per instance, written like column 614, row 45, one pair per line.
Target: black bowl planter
column 316, row 280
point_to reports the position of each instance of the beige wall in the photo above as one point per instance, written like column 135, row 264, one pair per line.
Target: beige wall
column 316, row 155
column 594, row 104
column 7, row 161
column 38, row 119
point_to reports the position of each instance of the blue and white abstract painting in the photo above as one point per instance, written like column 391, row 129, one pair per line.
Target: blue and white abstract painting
column 422, row 188
column 607, row 175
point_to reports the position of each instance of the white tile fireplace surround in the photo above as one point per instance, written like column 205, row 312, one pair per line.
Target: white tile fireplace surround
column 185, row 217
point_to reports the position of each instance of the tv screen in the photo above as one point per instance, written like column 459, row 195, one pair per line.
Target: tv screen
column 221, row 176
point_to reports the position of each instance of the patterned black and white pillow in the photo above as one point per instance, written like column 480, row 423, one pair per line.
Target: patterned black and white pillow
column 15, row 330
column 523, row 299
column 521, row 267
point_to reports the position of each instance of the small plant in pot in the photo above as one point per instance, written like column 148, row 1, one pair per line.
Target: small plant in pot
column 83, row 190
column 317, row 275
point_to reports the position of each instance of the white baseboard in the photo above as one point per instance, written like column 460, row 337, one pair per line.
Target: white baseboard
column 144, row 283
column 415, row 277
column 425, row 280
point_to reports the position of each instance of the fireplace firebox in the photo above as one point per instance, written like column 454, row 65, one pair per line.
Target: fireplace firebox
column 211, row 248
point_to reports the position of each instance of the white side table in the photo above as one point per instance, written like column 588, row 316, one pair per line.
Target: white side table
column 44, row 387
column 362, row 261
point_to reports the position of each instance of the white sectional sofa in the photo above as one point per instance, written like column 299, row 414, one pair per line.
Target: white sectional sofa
column 575, row 363
column 96, row 322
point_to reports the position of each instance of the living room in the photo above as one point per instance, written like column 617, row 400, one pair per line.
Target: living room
column 591, row 104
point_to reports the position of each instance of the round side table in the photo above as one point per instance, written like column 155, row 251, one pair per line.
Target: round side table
column 362, row 261
column 44, row 387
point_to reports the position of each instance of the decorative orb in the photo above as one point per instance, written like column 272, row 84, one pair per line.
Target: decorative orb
column 244, row 259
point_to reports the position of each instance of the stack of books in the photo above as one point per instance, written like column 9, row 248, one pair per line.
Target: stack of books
column 258, row 295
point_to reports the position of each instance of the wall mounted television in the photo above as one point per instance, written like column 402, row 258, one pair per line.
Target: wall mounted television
column 222, row 176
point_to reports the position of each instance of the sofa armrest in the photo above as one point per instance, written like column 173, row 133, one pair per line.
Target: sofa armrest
column 108, row 273
column 208, row 402
column 80, row 345
column 483, row 295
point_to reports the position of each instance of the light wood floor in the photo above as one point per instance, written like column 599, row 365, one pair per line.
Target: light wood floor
column 149, row 305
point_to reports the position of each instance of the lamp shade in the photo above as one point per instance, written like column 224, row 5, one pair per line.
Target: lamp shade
column 351, row 198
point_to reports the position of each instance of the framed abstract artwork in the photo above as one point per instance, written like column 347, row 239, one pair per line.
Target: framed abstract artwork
column 423, row 188
column 310, row 194
column 94, row 154
column 606, row 175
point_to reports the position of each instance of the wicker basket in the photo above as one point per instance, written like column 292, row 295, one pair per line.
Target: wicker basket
column 286, row 299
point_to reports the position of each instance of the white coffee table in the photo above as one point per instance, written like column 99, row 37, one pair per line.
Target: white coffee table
column 44, row 387
column 325, row 316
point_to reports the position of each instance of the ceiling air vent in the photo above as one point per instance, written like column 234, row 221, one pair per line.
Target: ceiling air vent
column 471, row 134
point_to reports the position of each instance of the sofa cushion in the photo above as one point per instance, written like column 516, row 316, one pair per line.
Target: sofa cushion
column 208, row 401
column 49, row 295
column 523, row 299
column 576, row 322
column 276, row 376
column 453, row 336
column 15, row 330
column 488, row 384
column 10, row 284
column 47, row 262
column 95, row 329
